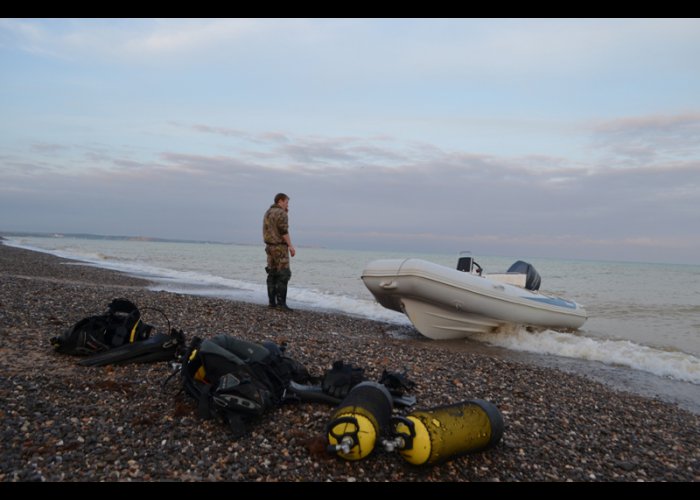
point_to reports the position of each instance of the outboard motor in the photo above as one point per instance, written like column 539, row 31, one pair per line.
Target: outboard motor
column 532, row 280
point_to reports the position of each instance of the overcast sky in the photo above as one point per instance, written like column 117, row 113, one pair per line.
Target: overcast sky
column 524, row 138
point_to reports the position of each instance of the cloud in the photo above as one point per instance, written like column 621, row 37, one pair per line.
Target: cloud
column 315, row 153
column 159, row 42
column 178, row 36
column 641, row 140
column 382, row 48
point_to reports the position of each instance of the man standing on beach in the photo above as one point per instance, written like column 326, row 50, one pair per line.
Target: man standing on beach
column 278, row 247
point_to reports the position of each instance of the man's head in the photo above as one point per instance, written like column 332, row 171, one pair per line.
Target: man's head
column 282, row 200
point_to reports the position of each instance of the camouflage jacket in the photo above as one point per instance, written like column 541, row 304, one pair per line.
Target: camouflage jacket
column 275, row 225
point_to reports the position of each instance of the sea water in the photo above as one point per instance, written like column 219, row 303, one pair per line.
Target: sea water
column 642, row 334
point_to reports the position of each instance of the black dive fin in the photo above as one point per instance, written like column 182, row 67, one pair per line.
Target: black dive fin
column 315, row 394
column 158, row 347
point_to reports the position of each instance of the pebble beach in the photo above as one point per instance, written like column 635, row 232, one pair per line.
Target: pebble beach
column 63, row 422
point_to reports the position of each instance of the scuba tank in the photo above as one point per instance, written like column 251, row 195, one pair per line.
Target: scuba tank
column 357, row 422
column 445, row 432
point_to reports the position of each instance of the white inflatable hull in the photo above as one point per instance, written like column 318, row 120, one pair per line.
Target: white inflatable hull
column 444, row 303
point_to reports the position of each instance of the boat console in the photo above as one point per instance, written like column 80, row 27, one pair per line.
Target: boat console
column 469, row 265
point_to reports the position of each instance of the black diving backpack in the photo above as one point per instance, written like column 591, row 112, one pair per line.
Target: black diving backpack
column 120, row 325
column 237, row 380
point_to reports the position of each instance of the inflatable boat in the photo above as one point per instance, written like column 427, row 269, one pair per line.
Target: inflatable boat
column 445, row 303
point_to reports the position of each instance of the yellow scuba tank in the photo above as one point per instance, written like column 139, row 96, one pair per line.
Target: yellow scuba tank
column 356, row 423
column 445, row 432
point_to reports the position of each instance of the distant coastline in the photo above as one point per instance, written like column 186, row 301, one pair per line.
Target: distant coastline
column 91, row 236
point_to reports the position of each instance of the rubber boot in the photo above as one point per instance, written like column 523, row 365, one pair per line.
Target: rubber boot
column 271, row 287
column 283, row 278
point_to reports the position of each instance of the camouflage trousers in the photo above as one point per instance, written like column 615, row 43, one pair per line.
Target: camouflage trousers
column 277, row 257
